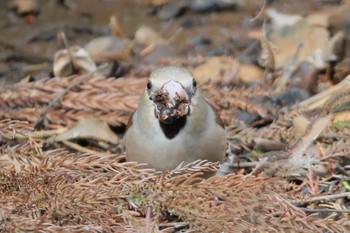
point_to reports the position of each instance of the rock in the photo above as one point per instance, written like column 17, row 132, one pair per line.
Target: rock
column 291, row 96
column 200, row 40
column 340, row 19
column 202, row 5
column 305, row 77
column 341, row 70
column 170, row 10
column 220, row 50
column 212, row 5
column 226, row 4
column 160, row 51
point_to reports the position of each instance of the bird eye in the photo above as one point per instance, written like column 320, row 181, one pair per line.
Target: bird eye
column 149, row 85
column 194, row 83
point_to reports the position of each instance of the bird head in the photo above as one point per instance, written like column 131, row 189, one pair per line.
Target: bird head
column 171, row 90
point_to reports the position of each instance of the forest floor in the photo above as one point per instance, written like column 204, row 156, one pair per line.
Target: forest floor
column 71, row 75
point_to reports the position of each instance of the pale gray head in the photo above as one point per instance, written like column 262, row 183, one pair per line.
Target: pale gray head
column 171, row 89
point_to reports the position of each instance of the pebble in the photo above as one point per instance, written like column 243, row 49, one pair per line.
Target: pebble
column 171, row 10
column 201, row 6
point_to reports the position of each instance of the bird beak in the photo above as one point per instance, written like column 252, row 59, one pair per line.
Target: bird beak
column 171, row 102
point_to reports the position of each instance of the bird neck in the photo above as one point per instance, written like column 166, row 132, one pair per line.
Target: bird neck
column 171, row 130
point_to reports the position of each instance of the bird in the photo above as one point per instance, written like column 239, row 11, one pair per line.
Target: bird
column 173, row 123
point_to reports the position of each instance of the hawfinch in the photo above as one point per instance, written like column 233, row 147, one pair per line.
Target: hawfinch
column 174, row 123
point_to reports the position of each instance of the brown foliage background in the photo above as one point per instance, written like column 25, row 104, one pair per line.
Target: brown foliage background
column 55, row 190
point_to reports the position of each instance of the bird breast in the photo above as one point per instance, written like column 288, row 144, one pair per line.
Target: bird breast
column 199, row 138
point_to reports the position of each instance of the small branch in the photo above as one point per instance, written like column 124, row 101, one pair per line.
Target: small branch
column 47, row 133
column 321, row 98
column 58, row 98
column 324, row 210
column 321, row 198
column 244, row 165
column 77, row 147
column 63, row 93
column 39, row 134
column 253, row 46
column 177, row 225
column 261, row 11
column 297, row 52
column 148, row 218
column 63, row 37
column 36, row 67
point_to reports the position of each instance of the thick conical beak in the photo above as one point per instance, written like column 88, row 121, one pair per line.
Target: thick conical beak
column 171, row 102
column 175, row 91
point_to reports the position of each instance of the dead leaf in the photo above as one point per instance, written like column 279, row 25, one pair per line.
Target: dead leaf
column 338, row 42
column 19, row 163
column 27, row 79
column 229, row 76
column 147, row 36
column 318, row 20
column 147, row 50
column 301, row 124
column 318, row 126
column 320, row 99
column 76, row 60
column 153, row 53
column 342, row 116
column 304, row 77
column 22, row 7
column 213, row 68
column 6, row 160
column 109, row 48
column 280, row 20
column 115, row 27
column 89, row 129
column 314, row 41
column 157, row 3
column 267, row 53
column 249, row 73
column 339, row 19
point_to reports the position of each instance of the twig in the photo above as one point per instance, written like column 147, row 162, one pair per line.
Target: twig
column 297, row 52
column 58, row 98
column 63, row 93
column 47, row 133
column 79, row 148
column 253, row 46
column 244, row 164
column 324, row 210
column 63, row 37
column 261, row 10
column 36, row 67
column 148, row 50
column 322, row 198
column 148, row 218
column 39, row 134
column 321, row 98
column 174, row 225
column 42, row 115
column 175, row 34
